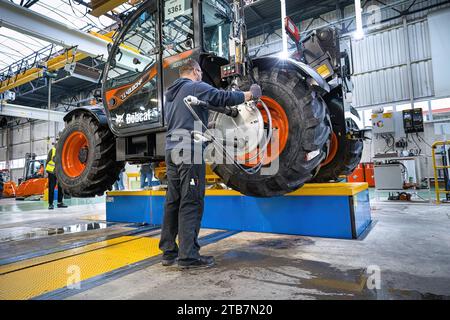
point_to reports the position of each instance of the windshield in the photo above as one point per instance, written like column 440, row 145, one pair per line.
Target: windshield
column 216, row 27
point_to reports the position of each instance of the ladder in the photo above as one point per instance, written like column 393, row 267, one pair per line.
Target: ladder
column 436, row 168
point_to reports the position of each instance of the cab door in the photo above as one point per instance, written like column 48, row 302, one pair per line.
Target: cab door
column 132, row 90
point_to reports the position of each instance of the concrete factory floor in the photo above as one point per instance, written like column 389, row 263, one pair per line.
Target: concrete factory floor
column 408, row 246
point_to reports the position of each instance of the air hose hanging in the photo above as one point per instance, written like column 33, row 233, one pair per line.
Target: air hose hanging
column 191, row 100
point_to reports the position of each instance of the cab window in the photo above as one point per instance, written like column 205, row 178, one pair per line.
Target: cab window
column 217, row 18
column 178, row 27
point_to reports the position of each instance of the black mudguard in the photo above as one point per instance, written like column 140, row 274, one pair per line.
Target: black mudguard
column 315, row 80
column 96, row 111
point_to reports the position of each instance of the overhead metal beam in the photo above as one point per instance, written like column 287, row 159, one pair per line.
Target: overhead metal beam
column 30, row 3
column 257, row 14
column 20, row 19
column 18, row 111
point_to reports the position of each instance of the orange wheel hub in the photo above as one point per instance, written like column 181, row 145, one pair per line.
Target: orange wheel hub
column 74, row 154
column 280, row 126
column 333, row 150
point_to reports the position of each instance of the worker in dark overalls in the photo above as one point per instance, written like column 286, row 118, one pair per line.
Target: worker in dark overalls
column 146, row 175
column 52, row 181
column 186, row 179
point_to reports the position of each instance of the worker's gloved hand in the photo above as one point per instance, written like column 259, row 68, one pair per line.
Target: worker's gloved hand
column 234, row 112
column 256, row 91
column 231, row 111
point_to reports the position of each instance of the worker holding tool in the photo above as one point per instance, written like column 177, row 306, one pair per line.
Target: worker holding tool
column 52, row 181
column 186, row 180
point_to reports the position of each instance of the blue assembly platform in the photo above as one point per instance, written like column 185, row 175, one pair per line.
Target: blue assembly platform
column 334, row 210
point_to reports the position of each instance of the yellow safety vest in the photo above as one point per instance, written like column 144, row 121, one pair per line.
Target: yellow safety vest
column 50, row 167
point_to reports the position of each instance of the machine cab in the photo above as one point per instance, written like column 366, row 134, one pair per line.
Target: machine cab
column 33, row 168
column 155, row 41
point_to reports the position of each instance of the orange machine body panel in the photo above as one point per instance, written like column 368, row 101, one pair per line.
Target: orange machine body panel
column 357, row 175
column 9, row 189
column 31, row 187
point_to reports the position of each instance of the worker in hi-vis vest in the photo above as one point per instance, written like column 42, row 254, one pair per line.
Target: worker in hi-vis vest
column 50, row 168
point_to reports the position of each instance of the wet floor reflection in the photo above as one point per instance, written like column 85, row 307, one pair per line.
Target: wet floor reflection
column 22, row 233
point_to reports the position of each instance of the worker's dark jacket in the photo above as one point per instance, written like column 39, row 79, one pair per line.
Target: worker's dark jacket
column 178, row 116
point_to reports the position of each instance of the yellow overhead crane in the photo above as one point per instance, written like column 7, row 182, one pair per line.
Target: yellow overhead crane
column 53, row 64
column 69, row 55
column 100, row 7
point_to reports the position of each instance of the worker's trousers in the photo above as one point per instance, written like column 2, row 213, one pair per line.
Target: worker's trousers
column 51, row 189
column 183, row 210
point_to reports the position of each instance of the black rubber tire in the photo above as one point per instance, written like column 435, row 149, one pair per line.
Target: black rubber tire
column 308, row 131
column 102, row 169
column 349, row 151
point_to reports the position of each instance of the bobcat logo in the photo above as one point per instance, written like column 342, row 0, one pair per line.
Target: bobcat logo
column 119, row 119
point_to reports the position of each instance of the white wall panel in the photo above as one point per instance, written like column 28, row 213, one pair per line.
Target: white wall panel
column 378, row 87
column 3, row 153
column 40, row 147
column 20, row 134
column 422, row 79
column 440, row 47
column 380, row 64
column 40, row 130
column 18, row 151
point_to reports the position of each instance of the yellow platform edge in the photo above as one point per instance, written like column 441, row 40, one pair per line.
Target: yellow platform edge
column 309, row 189
column 41, row 275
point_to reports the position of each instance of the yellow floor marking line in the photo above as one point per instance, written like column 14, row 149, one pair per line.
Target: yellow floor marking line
column 49, row 276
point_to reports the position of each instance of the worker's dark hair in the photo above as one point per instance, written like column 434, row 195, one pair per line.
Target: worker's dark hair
column 188, row 67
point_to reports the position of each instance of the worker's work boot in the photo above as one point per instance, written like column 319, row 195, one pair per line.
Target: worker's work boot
column 201, row 263
column 61, row 205
column 168, row 261
column 50, row 207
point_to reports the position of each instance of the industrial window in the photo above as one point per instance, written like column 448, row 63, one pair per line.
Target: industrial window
column 17, row 163
column 440, row 108
column 178, row 27
column 401, row 107
column 440, row 105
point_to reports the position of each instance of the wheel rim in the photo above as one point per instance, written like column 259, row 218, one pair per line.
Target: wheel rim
column 74, row 154
column 280, row 125
column 333, row 149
